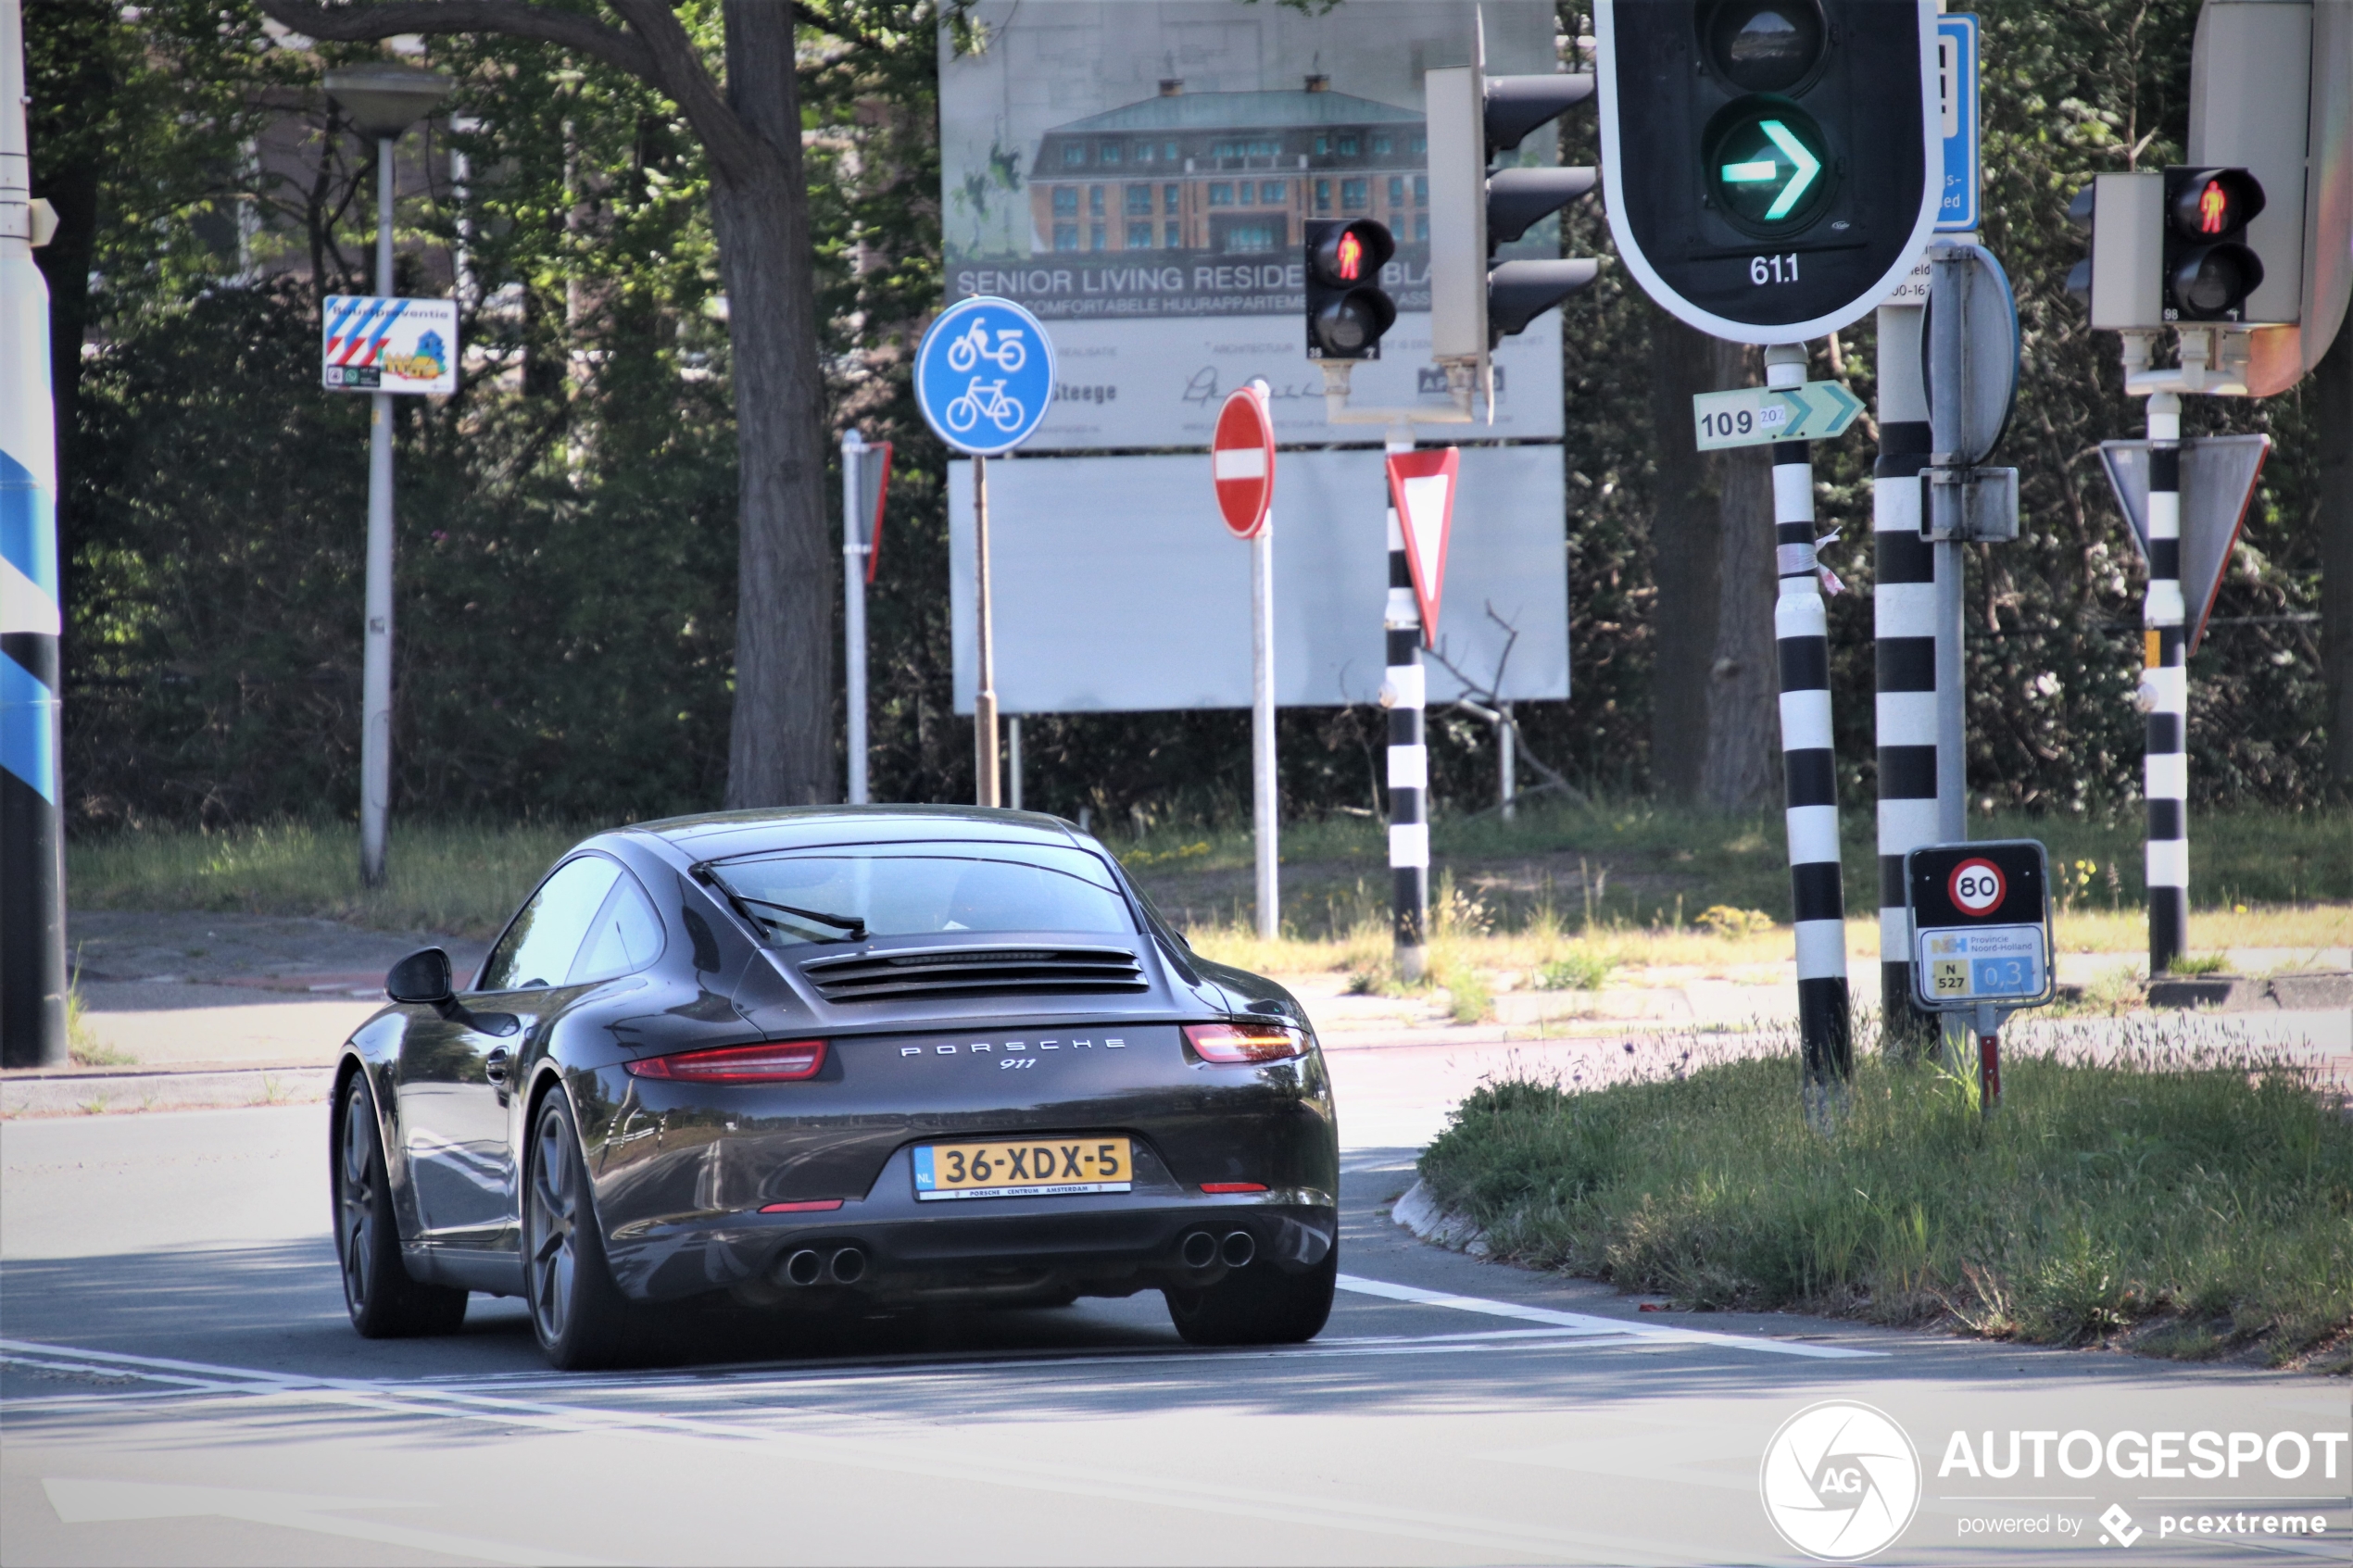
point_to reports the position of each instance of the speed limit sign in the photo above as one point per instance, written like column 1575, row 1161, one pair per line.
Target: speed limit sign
column 1980, row 925
column 1977, row 886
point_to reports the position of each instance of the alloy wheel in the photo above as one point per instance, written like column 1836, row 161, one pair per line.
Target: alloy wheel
column 552, row 1205
column 358, row 1196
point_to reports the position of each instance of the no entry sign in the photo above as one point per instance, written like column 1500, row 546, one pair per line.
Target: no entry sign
column 1241, row 457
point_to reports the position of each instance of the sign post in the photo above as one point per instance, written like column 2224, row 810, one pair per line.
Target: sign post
column 1421, row 517
column 865, row 483
column 1242, row 467
column 984, row 378
column 1979, row 920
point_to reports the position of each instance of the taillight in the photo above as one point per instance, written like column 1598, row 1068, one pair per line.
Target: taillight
column 1245, row 1042
column 777, row 1061
column 1233, row 1187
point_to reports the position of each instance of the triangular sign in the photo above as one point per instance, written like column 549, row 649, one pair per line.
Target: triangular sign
column 873, row 486
column 1421, row 487
column 2217, row 484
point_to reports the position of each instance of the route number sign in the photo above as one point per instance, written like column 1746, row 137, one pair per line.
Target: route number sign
column 1980, row 925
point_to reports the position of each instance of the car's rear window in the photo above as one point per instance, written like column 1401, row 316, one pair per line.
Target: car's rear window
column 848, row 892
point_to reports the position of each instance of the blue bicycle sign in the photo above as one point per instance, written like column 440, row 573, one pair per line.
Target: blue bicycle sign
column 985, row 375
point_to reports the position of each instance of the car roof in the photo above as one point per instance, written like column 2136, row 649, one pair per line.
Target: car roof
column 721, row 834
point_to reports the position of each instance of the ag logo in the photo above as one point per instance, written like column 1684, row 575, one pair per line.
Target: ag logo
column 1840, row 1481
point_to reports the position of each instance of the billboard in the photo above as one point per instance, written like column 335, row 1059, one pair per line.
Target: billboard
column 1137, row 174
column 1118, row 589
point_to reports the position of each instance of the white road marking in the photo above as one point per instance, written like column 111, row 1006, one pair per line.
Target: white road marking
column 891, row 1456
column 1585, row 1322
column 95, row 1502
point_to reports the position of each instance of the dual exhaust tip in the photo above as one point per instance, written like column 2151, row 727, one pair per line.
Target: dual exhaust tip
column 808, row 1266
column 1199, row 1250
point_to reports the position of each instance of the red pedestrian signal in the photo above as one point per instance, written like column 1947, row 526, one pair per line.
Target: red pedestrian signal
column 2211, row 205
column 1351, row 258
column 1347, row 309
column 2209, row 270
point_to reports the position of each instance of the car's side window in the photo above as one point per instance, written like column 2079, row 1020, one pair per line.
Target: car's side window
column 625, row 937
column 539, row 948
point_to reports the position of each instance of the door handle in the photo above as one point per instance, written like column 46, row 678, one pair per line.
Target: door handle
column 494, row 1066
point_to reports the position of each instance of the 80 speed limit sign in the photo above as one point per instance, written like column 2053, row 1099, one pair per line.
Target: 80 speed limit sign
column 1977, row 886
column 1980, row 925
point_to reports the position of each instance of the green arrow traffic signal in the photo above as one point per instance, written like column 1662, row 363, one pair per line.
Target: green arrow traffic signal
column 1768, row 166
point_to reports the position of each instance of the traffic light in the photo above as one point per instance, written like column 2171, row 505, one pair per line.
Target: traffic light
column 1347, row 309
column 2120, row 281
column 2209, row 269
column 1475, row 301
column 1773, row 166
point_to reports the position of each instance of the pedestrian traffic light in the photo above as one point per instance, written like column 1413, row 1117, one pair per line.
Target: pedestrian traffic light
column 2120, row 281
column 1347, row 309
column 1772, row 166
column 1476, row 302
column 2209, row 269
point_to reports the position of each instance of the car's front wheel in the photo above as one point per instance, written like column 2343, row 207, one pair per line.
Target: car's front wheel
column 1257, row 1305
column 581, row 1319
column 385, row 1300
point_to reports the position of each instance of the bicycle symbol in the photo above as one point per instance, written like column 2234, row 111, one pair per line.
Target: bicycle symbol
column 983, row 399
column 965, row 352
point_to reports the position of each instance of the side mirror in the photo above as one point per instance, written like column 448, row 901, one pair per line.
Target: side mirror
column 423, row 976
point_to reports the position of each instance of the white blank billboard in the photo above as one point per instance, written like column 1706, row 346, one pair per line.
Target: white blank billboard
column 1119, row 590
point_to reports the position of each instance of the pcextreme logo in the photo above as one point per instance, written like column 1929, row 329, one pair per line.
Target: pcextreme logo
column 1840, row 1481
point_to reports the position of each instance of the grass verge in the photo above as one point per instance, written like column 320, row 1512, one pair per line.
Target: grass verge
column 2189, row 1205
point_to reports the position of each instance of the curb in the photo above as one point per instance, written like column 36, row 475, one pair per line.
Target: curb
column 97, row 1093
column 2230, row 993
column 1419, row 1213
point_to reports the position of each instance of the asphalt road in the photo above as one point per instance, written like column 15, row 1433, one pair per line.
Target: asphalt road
column 178, row 1383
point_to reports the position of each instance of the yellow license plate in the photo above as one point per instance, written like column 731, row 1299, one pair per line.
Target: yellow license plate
column 1025, row 1168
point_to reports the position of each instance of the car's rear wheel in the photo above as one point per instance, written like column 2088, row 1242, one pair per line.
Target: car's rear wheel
column 1258, row 1304
column 385, row 1302
column 581, row 1319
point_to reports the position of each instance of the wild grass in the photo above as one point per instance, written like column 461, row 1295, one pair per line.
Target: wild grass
column 461, row 879
column 2185, row 1202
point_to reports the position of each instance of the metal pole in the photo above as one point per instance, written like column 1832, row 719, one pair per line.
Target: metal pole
column 1402, row 693
column 1809, row 768
column 1950, row 380
column 375, row 679
column 1903, row 630
column 1265, row 801
column 32, row 904
column 984, row 701
column 1013, row 761
column 2166, row 693
column 1507, row 762
column 855, row 545
column 1989, row 1059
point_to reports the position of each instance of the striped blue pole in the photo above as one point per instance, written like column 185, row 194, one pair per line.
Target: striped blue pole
column 32, row 917
column 1809, row 764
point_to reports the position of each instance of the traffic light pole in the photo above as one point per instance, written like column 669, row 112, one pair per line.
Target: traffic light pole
column 375, row 664
column 1904, row 627
column 2165, row 690
column 1809, row 770
column 1402, row 693
column 33, row 903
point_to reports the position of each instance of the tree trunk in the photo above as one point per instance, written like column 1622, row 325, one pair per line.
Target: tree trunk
column 1714, row 709
column 1684, row 560
column 781, row 750
column 2331, row 397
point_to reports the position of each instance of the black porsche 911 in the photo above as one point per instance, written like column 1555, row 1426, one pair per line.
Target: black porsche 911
column 856, row 1058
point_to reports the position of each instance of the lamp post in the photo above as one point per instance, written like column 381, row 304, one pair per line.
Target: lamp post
column 383, row 101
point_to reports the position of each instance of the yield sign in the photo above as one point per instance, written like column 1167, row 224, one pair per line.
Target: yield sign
column 1241, row 457
column 2218, row 481
column 1421, row 487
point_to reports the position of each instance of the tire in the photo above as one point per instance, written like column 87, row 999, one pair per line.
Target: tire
column 581, row 1319
column 385, row 1302
column 1257, row 1304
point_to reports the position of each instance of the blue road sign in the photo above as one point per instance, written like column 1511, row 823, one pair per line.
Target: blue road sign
column 984, row 375
column 1957, row 210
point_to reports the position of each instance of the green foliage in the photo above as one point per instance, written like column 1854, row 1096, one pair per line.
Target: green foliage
column 2210, row 1193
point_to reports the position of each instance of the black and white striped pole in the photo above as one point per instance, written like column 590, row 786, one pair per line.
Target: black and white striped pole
column 1403, row 695
column 2165, row 692
column 1904, row 627
column 1809, row 771
column 33, row 905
